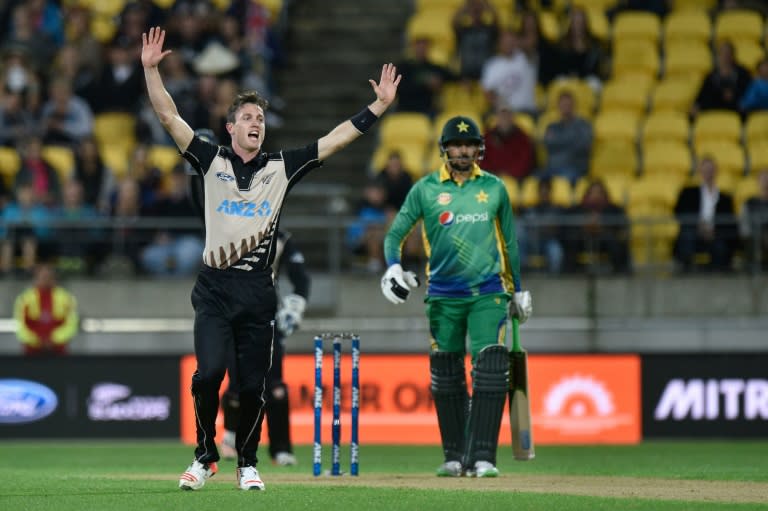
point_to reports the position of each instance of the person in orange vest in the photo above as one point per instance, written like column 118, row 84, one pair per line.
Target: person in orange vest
column 46, row 315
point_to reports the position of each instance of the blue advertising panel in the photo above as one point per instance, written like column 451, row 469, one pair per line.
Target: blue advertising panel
column 89, row 397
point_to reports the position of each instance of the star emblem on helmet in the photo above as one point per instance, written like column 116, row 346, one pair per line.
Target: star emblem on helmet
column 463, row 127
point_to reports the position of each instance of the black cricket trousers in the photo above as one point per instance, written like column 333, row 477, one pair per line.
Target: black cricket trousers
column 233, row 308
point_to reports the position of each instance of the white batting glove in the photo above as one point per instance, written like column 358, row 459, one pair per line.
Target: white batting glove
column 521, row 306
column 396, row 284
column 291, row 313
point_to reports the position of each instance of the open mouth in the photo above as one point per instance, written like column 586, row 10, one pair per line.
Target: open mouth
column 253, row 135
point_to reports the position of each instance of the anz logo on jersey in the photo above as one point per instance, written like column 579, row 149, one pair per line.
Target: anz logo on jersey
column 244, row 209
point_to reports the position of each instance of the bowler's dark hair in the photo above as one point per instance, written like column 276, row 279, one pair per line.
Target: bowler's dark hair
column 249, row 96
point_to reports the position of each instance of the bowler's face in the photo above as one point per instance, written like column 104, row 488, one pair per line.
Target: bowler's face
column 249, row 128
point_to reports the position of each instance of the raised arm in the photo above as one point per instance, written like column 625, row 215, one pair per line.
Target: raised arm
column 151, row 55
column 352, row 128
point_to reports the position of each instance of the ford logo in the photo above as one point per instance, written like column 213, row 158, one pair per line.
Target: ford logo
column 23, row 401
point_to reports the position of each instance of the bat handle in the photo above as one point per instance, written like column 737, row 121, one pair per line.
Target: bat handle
column 516, row 346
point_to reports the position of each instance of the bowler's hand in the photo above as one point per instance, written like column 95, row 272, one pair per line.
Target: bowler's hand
column 152, row 47
column 386, row 89
column 521, row 306
column 396, row 284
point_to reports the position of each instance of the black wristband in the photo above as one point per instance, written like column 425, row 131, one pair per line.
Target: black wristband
column 363, row 120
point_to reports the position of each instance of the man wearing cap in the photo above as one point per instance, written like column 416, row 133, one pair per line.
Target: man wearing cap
column 473, row 284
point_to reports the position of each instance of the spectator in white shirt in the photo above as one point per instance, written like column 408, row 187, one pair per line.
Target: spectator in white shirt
column 509, row 77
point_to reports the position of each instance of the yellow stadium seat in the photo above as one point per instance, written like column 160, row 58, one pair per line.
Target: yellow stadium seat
column 426, row 5
column 115, row 128
column 405, row 126
column 616, row 184
column 107, row 8
column 616, row 125
column 716, row 125
column 613, row 157
column 676, row 94
column 103, row 28
column 758, row 156
column 756, row 127
column 733, row 24
column 549, row 25
column 635, row 57
column 636, row 26
column 562, row 192
column 526, row 123
column 435, row 28
column 61, row 158
column 411, row 153
column 503, row 5
column 653, row 194
column 10, row 163
column 625, row 94
column 687, row 59
column 746, row 188
column 601, row 5
column 666, row 125
column 273, row 6
column 541, row 97
column 116, row 157
column 582, row 93
column 729, row 155
column 434, row 159
column 463, row 96
column 513, row 190
column 544, row 120
column 652, row 239
column 598, row 24
column 667, row 158
column 687, row 26
column 164, row 157
column 748, row 52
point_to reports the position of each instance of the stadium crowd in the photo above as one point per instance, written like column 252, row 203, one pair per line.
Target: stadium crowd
column 602, row 117
column 82, row 157
column 628, row 97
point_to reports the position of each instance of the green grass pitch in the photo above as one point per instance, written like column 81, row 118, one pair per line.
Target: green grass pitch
column 143, row 475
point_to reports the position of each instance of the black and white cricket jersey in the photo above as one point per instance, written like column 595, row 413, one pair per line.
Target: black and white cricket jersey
column 243, row 201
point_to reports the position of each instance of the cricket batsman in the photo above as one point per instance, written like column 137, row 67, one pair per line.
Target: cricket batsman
column 473, row 284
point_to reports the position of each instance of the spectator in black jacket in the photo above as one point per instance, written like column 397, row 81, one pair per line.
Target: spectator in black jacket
column 603, row 229
column 724, row 86
column 422, row 80
column 707, row 221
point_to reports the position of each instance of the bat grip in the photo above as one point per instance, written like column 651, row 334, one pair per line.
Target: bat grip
column 516, row 346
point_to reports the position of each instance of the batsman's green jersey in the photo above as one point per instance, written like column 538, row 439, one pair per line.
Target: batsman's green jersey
column 469, row 234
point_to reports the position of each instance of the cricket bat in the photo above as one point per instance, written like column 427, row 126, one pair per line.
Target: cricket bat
column 519, row 406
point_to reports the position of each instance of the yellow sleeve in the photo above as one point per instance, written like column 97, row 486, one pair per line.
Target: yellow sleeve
column 64, row 333
column 25, row 335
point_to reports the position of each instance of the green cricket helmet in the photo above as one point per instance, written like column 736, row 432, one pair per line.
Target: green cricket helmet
column 462, row 128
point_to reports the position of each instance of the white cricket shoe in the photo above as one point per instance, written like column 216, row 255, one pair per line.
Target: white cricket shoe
column 449, row 469
column 196, row 475
column 483, row 469
column 227, row 448
column 248, row 478
column 285, row 459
